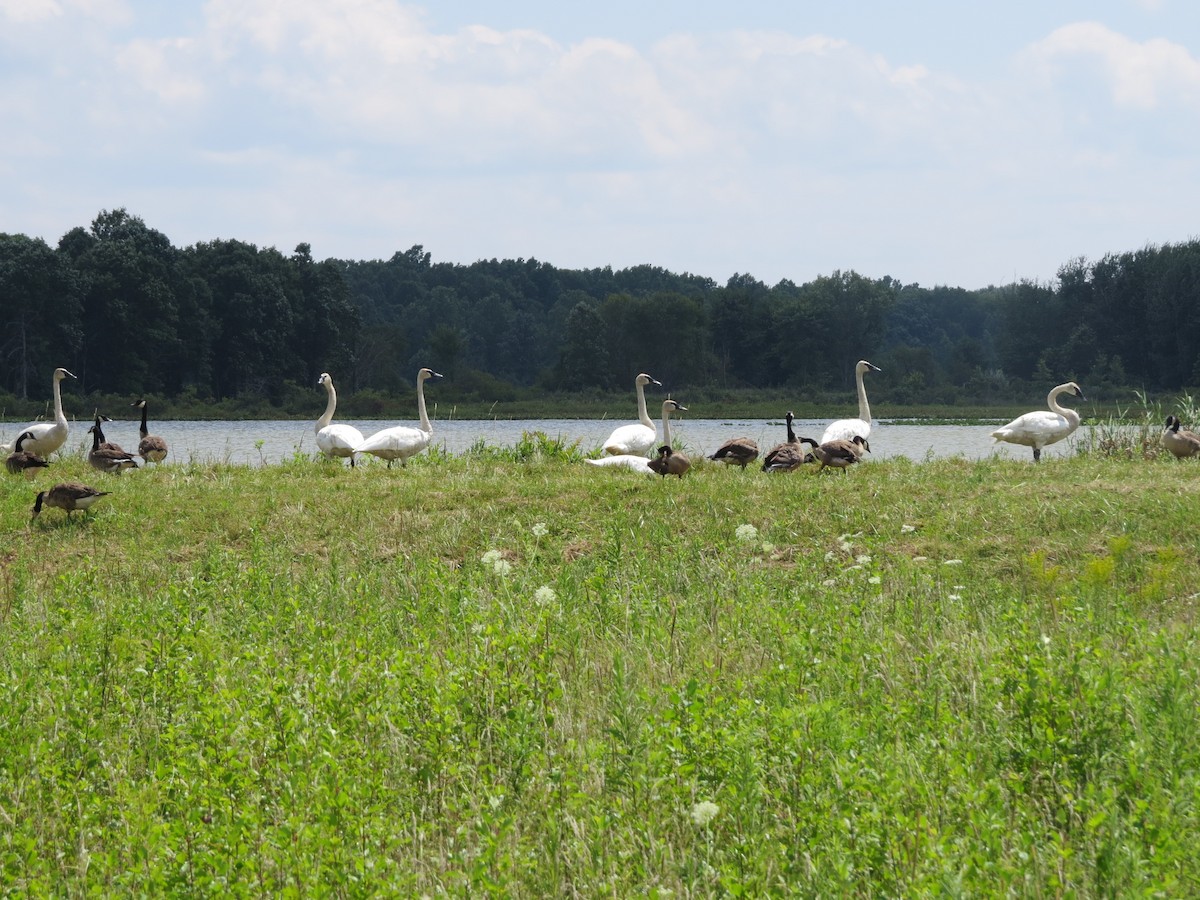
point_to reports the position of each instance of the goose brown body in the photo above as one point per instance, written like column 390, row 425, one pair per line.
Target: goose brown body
column 1181, row 444
column 839, row 454
column 739, row 451
column 110, row 458
column 22, row 461
column 68, row 496
column 670, row 462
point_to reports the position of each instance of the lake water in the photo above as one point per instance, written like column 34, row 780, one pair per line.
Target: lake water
column 238, row 442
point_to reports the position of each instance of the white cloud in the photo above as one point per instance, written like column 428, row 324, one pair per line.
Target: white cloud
column 1141, row 75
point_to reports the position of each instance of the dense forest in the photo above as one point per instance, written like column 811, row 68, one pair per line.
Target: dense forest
column 129, row 313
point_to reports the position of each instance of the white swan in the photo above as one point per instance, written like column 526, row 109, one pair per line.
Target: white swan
column 636, row 439
column 403, row 441
column 846, row 429
column 632, row 460
column 46, row 437
column 1043, row 427
column 335, row 440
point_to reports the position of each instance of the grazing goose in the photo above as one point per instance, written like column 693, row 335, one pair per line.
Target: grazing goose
column 151, row 447
column 69, row 496
column 838, row 454
column 789, row 456
column 111, row 459
column 46, row 437
column 739, row 451
column 670, row 462
column 846, row 429
column 403, row 441
column 1041, row 427
column 21, row 460
column 1182, row 444
column 634, row 461
column 638, row 438
column 335, row 440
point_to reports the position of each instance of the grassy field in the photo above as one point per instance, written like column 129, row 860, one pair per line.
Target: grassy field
column 513, row 674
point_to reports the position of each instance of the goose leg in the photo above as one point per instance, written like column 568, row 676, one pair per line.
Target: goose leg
column 1037, row 454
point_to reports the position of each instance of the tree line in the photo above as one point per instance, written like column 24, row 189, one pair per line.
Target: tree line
column 129, row 313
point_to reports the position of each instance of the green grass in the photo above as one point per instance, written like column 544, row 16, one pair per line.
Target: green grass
column 512, row 674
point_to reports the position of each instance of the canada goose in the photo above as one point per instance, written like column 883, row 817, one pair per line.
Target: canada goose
column 151, row 447
column 335, row 440
column 111, row 459
column 69, row 496
column 403, row 441
column 46, row 437
column 1041, row 427
column 105, row 444
column 634, row 461
column 21, row 460
column 638, row 438
column 846, row 429
column 1182, row 444
column 670, row 462
column 838, row 454
column 788, row 456
column 738, row 451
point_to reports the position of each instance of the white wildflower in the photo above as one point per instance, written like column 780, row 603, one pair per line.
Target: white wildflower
column 1046, row 640
column 907, row 529
column 829, row 582
column 875, row 579
column 768, row 547
column 952, row 562
column 502, row 567
column 846, row 546
column 853, row 568
column 829, row 556
column 490, row 558
column 746, row 532
column 920, row 559
column 540, row 529
column 863, row 560
column 704, row 812
column 545, row 595
column 954, row 597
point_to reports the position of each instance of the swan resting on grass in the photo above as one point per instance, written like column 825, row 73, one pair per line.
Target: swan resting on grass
column 1042, row 427
column 638, row 438
column 633, row 461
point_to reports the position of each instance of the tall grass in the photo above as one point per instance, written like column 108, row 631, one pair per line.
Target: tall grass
column 510, row 673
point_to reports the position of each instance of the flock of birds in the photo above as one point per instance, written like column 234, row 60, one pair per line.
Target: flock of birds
column 843, row 443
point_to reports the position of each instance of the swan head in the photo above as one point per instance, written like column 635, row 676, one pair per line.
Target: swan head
column 864, row 366
column 61, row 373
column 427, row 374
column 643, row 379
column 1075, row 390
column 324, row 379
column 673, row 406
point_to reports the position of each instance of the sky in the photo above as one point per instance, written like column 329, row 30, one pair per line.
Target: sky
column 938, row 143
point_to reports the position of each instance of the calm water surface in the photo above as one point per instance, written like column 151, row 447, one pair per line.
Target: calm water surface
column 239, row 442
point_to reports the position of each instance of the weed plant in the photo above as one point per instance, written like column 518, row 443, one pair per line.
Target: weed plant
column 512, row 674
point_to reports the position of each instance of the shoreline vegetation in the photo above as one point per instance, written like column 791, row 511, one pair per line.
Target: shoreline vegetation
column 507, row 673
column 1131, row 405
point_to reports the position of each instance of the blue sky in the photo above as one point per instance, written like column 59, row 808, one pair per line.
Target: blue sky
column 934, row 142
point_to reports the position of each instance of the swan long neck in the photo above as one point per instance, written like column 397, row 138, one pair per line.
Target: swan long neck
column 330, row 406
column 60, row 417
column 643, row 415
column 666, row 425
column 425, row 426
column 1052, row 401
column 864, row 410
